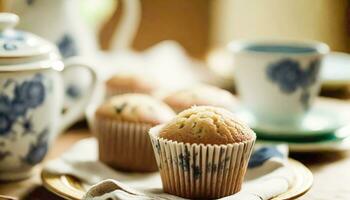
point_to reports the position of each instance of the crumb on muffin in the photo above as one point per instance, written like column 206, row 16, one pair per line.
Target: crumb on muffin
column 200, row 95
column 136, row 108
column 206, row 125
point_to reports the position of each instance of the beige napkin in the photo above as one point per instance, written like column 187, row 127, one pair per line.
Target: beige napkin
column 266, row 178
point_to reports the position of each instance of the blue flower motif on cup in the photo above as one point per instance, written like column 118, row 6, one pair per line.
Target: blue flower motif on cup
column 310, row 75
column 305, row 99
column 260, row 156
column 287, row 74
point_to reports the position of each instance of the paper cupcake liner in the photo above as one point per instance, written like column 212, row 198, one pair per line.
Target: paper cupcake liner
column 200, row 171
column 125, row 145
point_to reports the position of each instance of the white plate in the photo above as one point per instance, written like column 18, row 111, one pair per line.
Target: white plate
column 70, row 188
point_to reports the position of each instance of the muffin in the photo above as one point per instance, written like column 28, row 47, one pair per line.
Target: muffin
column 202, row 153
column 121, row 127
column 129, row 83
column 200, row 95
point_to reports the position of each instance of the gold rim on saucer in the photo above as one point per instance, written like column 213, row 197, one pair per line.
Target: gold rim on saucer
column 68, row 187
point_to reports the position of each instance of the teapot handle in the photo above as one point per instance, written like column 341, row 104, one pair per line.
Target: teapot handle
column 76, row 110
column 120, row 36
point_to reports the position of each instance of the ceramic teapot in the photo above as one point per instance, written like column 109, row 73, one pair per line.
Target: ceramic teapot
column 61, row 23
column 31, row 97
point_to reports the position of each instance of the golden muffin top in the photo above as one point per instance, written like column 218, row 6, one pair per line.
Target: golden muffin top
column 136, row 108
column 206, row 125
column 131, row 82
column 200, row 95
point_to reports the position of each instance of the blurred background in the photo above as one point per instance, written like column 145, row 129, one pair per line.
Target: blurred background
column 203, row 25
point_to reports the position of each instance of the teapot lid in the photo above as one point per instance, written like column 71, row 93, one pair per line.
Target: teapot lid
column 17, row 44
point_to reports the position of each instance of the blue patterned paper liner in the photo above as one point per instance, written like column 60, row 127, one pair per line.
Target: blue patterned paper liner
column 200, row 171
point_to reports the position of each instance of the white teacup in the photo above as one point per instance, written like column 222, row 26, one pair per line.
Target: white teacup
column 278, row 81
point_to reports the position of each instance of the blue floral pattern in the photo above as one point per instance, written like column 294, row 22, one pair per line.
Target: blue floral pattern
column 14, row 110
column 9, row 46
column 184, row 160
column 27, row 95
column 27, row 126
column 184, row 163
column 10, row 39
column 73, row 92
column 289, row 76
column 38, row 150
column 67, row 46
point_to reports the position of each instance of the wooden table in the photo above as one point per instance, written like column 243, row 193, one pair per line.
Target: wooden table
column 331, row 173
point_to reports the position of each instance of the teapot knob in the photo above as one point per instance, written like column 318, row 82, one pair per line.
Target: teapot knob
column 8, row 20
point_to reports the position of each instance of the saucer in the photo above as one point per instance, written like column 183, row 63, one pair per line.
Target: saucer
column 69, row 187
column 338, row 142
column 326, row 116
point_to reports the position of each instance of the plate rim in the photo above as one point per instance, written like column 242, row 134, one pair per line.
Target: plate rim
column 307, row 175
column 50, row 181
column 340, row 145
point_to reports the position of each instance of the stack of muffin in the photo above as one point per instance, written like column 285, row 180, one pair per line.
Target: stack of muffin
column 202, row 152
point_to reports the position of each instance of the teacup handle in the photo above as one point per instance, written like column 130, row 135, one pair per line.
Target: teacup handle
column 76, row 110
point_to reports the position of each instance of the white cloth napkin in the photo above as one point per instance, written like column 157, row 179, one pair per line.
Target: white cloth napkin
column 268, row 175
